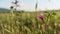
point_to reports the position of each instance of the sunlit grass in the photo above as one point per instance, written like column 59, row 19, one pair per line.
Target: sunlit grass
column 29, row 23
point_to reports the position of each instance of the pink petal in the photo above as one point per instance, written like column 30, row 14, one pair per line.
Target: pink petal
column 12, row 2
column 41, row 16
column 17, row 5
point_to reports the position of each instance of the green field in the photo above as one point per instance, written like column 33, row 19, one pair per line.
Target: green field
column 29, row 23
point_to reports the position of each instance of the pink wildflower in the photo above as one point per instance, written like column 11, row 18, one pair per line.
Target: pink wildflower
column 41, row 16
column 13, row 2
column 17, row 5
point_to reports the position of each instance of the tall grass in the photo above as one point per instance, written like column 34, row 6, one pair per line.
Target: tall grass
column 29, row 23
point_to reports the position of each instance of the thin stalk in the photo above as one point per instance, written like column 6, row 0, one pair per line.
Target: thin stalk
column 2, row 24
column 11, row 20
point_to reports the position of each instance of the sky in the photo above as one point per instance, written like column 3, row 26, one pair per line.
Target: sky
column 29, row 5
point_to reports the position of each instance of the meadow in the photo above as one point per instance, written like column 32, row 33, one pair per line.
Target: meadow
column 29, row 23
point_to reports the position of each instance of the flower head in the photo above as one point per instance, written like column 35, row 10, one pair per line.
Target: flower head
column 12, row 2
column 16, row 2
column 17, row 5
column 41, row 16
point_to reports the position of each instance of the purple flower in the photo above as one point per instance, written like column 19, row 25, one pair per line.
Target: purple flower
column 13, row 2
column 17, row 5
column 41, row 16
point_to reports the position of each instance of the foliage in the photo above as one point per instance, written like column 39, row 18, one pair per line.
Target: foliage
column 29, row 23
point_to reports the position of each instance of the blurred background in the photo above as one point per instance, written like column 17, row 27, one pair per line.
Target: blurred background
column 29, row 17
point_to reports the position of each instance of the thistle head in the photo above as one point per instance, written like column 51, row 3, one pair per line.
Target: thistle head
column 41, row 16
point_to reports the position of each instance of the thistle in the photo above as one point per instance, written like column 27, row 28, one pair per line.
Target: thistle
column 15, row 3
column 41, row 16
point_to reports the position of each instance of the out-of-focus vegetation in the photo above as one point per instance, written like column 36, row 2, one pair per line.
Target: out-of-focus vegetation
column 29, row 23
